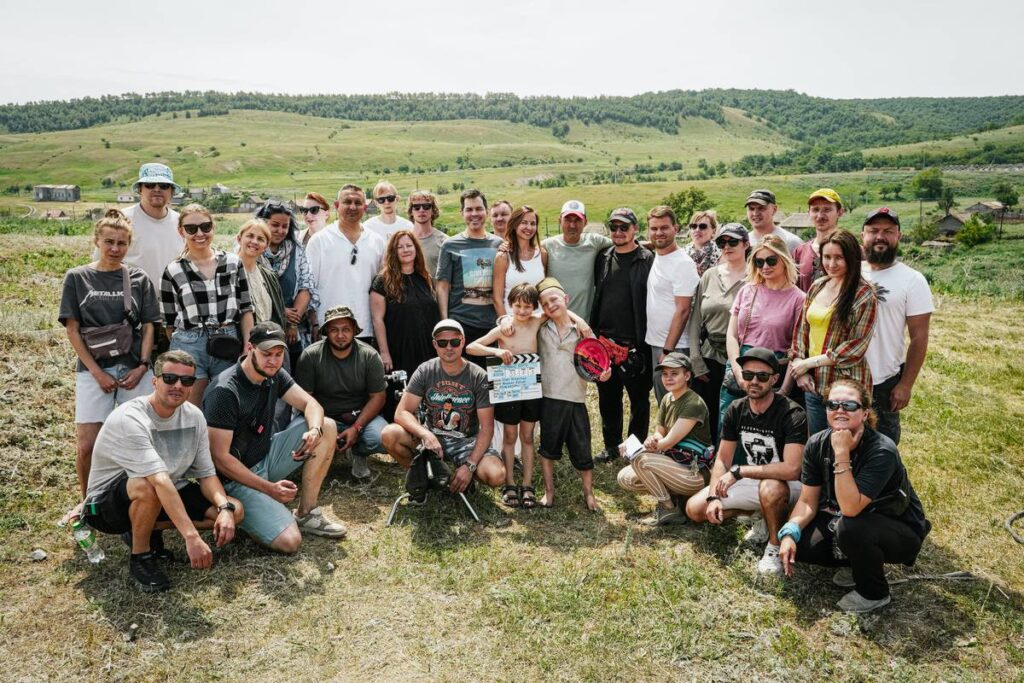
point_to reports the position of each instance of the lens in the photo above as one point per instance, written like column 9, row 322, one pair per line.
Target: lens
column 387, row 198
column 422, row 207
column 193, row 228
column 170, row 378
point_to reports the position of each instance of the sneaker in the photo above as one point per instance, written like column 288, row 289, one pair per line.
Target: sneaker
column 770, row 563
column 856, row 603
column 758, row 533
column 360, row 467
column 314, row 522
column 844, row 577
column 147, row 573
column 156, row 545
column 607, row 455
column 661, row 517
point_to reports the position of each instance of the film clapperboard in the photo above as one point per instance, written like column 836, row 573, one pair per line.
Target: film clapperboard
column 515, row 381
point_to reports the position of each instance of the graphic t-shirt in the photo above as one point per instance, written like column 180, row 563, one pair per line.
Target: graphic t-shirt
column 761, row 439
column 468, row 266
column 96, row 297
column 573, row 266
column 451, row 401
column 902, row 292
column 689, row 406
column 672, row 275
column 137, row 441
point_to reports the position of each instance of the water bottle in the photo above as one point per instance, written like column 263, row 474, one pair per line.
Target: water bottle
column 86, row 539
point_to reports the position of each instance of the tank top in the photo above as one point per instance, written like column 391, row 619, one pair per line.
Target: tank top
column 533, row 272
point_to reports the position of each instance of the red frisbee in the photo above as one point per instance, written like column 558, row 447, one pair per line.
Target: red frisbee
column 591, row 359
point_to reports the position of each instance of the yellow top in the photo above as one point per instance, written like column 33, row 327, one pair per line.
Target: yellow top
column 818, row 318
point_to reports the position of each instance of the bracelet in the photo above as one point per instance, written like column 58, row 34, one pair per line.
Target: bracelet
column 320, row 430
column 711, row 498
column 841, row 462
column 841, row 471
column 791, row 529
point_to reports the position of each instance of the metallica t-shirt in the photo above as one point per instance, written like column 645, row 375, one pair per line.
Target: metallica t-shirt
column 761, row 439
column 451, row 401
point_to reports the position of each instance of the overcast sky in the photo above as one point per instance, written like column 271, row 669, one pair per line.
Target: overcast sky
column 871, row 48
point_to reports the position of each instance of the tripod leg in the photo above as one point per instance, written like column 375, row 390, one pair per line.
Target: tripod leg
column 394, row 509
column 468, row 506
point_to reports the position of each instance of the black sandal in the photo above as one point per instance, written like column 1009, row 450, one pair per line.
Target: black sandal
column 528, row 497
column 510, row 495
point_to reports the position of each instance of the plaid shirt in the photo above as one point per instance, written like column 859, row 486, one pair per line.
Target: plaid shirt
column 845, row 344
column 188, row 301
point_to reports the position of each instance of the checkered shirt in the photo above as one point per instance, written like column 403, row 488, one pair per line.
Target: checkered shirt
column 188, row 301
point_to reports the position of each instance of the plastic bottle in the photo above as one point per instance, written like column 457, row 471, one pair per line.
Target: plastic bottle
column 86, row 539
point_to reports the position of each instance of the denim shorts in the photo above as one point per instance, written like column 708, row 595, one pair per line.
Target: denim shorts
column 92, row 405
column 194, row 343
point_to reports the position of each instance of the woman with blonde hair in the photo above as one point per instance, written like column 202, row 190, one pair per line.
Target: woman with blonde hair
column 264, row 287
column 702, row 248
column 108, row 310
column 204, row 297
column 763, row 314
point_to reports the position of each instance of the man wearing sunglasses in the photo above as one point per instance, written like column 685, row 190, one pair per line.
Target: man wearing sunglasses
column 825, row 207
column 155, row 241
column 255, row 459
column 759, row 459
column 344, row 257
column 458, row 419
column 761, row 208
column 387, row 222
column 423, row 211
column 146, row 453
column 619, row 313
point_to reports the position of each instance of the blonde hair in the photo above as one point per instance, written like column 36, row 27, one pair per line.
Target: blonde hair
column 115, row 220
column 257, row 224
column 710, row 215
column 190, row 209
column 385, row 186
column 774, row 244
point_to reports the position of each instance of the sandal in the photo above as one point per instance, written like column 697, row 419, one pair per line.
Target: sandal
column 529, row 498
column 510, row 495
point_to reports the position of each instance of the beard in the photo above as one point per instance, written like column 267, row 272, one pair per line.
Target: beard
column 340, row 347
column 883, row 258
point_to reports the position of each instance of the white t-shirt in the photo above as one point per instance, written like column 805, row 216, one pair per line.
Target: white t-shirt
column 376, row 225
column 902, row 292
column 340, row 282
column 791, row 240
column 155, row 243
column 672, row 275
column 135, row 440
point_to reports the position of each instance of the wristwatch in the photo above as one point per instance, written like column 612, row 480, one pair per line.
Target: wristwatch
column 735, row 472
column 471, row 465
column 145, row 363
column 667, row 351
column 226, row 506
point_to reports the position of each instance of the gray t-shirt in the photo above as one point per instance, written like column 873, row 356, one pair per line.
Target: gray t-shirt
column 573, row 266
column 137, row 441
column 95, row 298
column 791, row 240
column 431, row 246
column 340, row 385
column 468, row 265
column 451, row 401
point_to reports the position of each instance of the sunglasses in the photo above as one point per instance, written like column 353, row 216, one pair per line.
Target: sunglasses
column 769, row 261
column 445, row 343
column 848, row 406
column 761, row 376
column 310, row 209
column 699, row 226
column 620, row 227
column 386, row 198
column 154, row 186
column 727, row 242
column 193, row 228
column 170, row 378
column 422, row 207
column 355, row 253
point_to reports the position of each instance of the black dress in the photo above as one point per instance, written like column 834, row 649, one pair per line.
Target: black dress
column 409, row 322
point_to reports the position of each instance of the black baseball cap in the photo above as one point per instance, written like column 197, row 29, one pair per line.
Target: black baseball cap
column 762, row 197
column 885, row 212
column 623, row 214
column 265, row 336
column 762, row 354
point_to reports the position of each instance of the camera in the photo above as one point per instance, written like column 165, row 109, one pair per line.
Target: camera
column 397, row 379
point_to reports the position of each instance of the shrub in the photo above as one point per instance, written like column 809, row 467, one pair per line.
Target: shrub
column 921, row 232
column 975, row 231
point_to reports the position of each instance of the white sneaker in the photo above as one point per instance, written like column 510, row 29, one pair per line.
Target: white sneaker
column 758, row 533
column 314, row 522
column 360, row 467
column 856, row 603
column 770, row 563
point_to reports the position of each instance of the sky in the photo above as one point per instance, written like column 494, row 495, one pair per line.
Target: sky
column 839, row 49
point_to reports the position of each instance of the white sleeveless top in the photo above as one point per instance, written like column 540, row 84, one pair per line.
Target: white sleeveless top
column 533, row 272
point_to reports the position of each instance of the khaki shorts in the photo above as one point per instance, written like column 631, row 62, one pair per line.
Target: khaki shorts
column 743, row 495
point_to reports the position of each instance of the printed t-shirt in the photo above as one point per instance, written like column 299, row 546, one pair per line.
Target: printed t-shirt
column 451, row 401
column 468, row 265
column 902, row 292
column 761, row 439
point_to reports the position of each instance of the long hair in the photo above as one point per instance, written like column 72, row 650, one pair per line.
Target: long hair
column 774, row 244
column 273, row 207
column 391, row 270
column 513, row 239
column 852, row 254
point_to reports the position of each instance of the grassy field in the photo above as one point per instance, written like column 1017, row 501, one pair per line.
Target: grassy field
column 999, row 137
column 549, row 595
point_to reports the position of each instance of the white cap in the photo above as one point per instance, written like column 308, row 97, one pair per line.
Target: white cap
column 574, row 206
column 448, row 325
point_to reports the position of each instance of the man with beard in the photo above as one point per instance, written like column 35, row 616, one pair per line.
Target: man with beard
column 904, row 302
column 761, row 208
column 155, row 238
column 571, row 256
column 255, row 459
column 825, row 208
column 346, row 376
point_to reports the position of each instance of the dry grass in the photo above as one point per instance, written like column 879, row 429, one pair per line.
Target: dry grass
column 551, row 595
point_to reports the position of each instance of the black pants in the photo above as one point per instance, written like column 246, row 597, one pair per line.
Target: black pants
column 709, row 391
column 868, row 540
column 881, row 398
column 610, row 403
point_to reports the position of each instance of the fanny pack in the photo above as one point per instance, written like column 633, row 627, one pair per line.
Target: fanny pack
column 224, row 343
column 113, row 341
column 692, row 452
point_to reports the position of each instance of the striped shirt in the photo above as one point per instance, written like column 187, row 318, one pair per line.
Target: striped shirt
column 187, row 300
column 846, row 342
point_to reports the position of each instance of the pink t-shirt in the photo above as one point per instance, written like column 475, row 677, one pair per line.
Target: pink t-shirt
column 774, row 316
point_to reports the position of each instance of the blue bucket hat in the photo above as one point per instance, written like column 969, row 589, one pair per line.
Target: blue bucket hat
column 155, row 173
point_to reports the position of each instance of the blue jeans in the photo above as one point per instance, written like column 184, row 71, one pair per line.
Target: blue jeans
column 369, row 439
column 815, row 406
column 194, row 343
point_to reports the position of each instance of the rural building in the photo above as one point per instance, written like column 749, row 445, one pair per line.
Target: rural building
column 779, row 216
column 796, row 222
column 251, row 203
column 984, row 207
column 57, row 193
column 950, row 224
column 125, row 198
column 198, row 194
column 219, row 189
column 178, row 199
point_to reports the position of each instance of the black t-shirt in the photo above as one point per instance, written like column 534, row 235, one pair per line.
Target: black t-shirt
column 761, row 439
column 233, row 402
column 617, row 299
column 877, row 470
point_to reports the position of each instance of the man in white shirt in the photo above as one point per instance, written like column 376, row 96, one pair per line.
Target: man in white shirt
column 344, row 257
column 155, row 241
column 904, row 302
column 670, row 288
column 388, row 222
column 572, row 254
column 761, row 208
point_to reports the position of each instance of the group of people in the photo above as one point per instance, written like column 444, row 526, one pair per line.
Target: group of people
column 769, row 358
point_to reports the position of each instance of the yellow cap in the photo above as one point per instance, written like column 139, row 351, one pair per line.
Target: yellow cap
column 826, row 193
